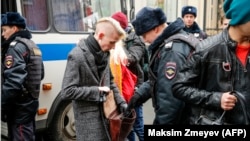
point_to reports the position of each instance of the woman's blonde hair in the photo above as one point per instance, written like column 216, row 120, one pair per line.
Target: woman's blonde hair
column 118, row 57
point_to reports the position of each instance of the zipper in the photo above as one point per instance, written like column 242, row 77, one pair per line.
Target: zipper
column 233, row 66
column 245, row 65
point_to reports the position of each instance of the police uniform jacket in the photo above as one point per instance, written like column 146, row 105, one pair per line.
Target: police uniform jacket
column 195, row 29
column 83, row 75
column 19, row 107
column 211, row 71
column 165, row 61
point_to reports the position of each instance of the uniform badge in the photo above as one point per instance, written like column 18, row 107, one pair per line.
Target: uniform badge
column 8, row 61
column 170, row 70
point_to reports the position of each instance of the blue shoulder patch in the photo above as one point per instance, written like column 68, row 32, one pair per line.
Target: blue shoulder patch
column 170, row 70
column 8, row 61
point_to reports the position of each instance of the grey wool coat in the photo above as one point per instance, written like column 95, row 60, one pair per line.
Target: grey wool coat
column 80, row 84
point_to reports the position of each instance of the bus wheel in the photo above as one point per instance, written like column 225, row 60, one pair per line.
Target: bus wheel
column 63, row 125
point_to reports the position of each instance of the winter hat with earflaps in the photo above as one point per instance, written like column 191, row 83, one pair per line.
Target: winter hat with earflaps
column 188, row 10
column 148, row 18
column 13, row 18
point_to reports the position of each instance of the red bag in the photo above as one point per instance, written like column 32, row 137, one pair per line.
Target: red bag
column 128, row 83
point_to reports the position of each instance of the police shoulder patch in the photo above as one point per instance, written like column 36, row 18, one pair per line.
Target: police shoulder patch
column 170, row 70
column 8, row 61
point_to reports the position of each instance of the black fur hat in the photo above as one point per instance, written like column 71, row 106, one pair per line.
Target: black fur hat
column 188, row 10
column 148, row 18
column 13, row 18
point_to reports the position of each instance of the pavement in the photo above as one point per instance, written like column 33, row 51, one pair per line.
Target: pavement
column 148, row 112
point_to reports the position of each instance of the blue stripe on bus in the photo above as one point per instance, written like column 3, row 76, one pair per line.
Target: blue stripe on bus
column 52, row 52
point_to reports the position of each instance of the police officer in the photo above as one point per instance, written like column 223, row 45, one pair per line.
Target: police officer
column 19, row 99
column 189, row 14
column 169, row 48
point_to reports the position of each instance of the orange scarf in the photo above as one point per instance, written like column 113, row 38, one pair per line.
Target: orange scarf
column 117, row 73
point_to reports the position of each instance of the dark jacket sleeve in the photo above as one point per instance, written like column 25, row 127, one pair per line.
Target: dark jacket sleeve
column 144, row 91
column 187, row 84
column 135, row 48
column 14, row 76
column 168, row 108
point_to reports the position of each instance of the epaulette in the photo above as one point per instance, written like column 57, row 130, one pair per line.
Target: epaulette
column 13, row 43
column 168, row 45
column 37, row 51
column 189, row 39
column 34, row 50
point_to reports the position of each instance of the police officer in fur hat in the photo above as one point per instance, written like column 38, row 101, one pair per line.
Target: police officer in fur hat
column 18, row 106
column 169, row 48
column 215, row 80
column 189, row 14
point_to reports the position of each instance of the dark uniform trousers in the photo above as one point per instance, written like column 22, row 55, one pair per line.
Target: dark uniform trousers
column 21, row 132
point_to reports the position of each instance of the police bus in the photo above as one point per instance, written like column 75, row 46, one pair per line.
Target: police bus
column 56, row 27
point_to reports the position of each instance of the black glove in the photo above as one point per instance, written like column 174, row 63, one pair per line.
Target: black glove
column 123, row 107
column 134, row 101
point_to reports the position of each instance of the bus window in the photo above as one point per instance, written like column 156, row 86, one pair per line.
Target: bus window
column 81, row 15
column 67, row 15
column 106, row 7
column 36, row 14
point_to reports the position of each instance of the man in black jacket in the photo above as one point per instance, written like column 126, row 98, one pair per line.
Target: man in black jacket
column 209, row 80
column 168, row 52
column 20, row 83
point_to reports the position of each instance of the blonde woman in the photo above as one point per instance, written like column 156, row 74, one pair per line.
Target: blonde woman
column 123, row 77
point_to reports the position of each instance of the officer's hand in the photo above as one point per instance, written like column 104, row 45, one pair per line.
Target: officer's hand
column 123, row 107
column 134, row 101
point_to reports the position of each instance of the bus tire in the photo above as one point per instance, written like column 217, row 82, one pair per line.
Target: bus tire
column 62, row 127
